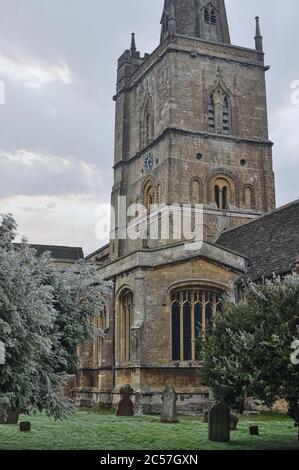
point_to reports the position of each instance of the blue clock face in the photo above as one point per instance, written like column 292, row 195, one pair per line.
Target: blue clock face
column 148, row 162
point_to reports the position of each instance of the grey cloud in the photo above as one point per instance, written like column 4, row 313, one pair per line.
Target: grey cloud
column 77, row 119
column 45, row 175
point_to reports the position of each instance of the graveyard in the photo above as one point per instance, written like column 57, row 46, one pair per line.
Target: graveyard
column 103, row 430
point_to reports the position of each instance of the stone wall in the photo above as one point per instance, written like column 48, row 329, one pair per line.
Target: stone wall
column 151, row 366
column 178, row 79
column 162, row 109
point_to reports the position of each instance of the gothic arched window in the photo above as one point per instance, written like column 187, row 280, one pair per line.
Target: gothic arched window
column 225, row 115
column 147, row 127
column 193, row 311
column 101, row 324
column 147, row 124
column 219, row 110
column 123, row 327
column 176, row 330
column 211, row 114
column 210, row 16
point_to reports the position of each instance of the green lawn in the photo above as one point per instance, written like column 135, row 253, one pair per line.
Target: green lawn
column 103, row 431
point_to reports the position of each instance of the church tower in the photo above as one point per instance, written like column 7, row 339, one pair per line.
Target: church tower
column 191, row 129
column 191, row 123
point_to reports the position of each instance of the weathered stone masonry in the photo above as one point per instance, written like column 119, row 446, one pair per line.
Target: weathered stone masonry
column 191, row 128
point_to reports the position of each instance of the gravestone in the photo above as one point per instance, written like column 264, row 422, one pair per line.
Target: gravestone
column 138, row 405
column 169, row 399
column 254, row 431
column 125, row 406
column 219, row 423
column 25, row 426
column 12, row 417
column 233, row 422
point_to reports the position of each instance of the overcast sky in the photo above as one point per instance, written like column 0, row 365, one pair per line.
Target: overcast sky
column 58, row 64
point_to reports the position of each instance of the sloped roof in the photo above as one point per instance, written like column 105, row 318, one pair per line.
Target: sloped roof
column 100, row 253
column 270, row 242
column 66, row 253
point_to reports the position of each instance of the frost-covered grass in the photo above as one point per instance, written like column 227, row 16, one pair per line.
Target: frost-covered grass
column 104, row 431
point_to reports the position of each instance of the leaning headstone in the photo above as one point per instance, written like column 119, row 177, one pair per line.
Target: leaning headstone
column 12, row 417
column 254, row 431
column 233, row 422
column 219, row 423
column 169, row 399
column 25, row 426
column 125, row 406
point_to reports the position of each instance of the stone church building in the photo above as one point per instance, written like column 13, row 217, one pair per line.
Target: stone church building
column 191, row 129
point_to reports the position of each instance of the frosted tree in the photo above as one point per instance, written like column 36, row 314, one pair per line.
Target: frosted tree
column 44, row 315
column 248, row 354
column 2, row 353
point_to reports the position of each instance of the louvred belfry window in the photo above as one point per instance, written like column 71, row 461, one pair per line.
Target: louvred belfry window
column 225, row 115
column 219, row 112
column 213, row 17
column 211, row 114
column 210, row 15
column 207, row 16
